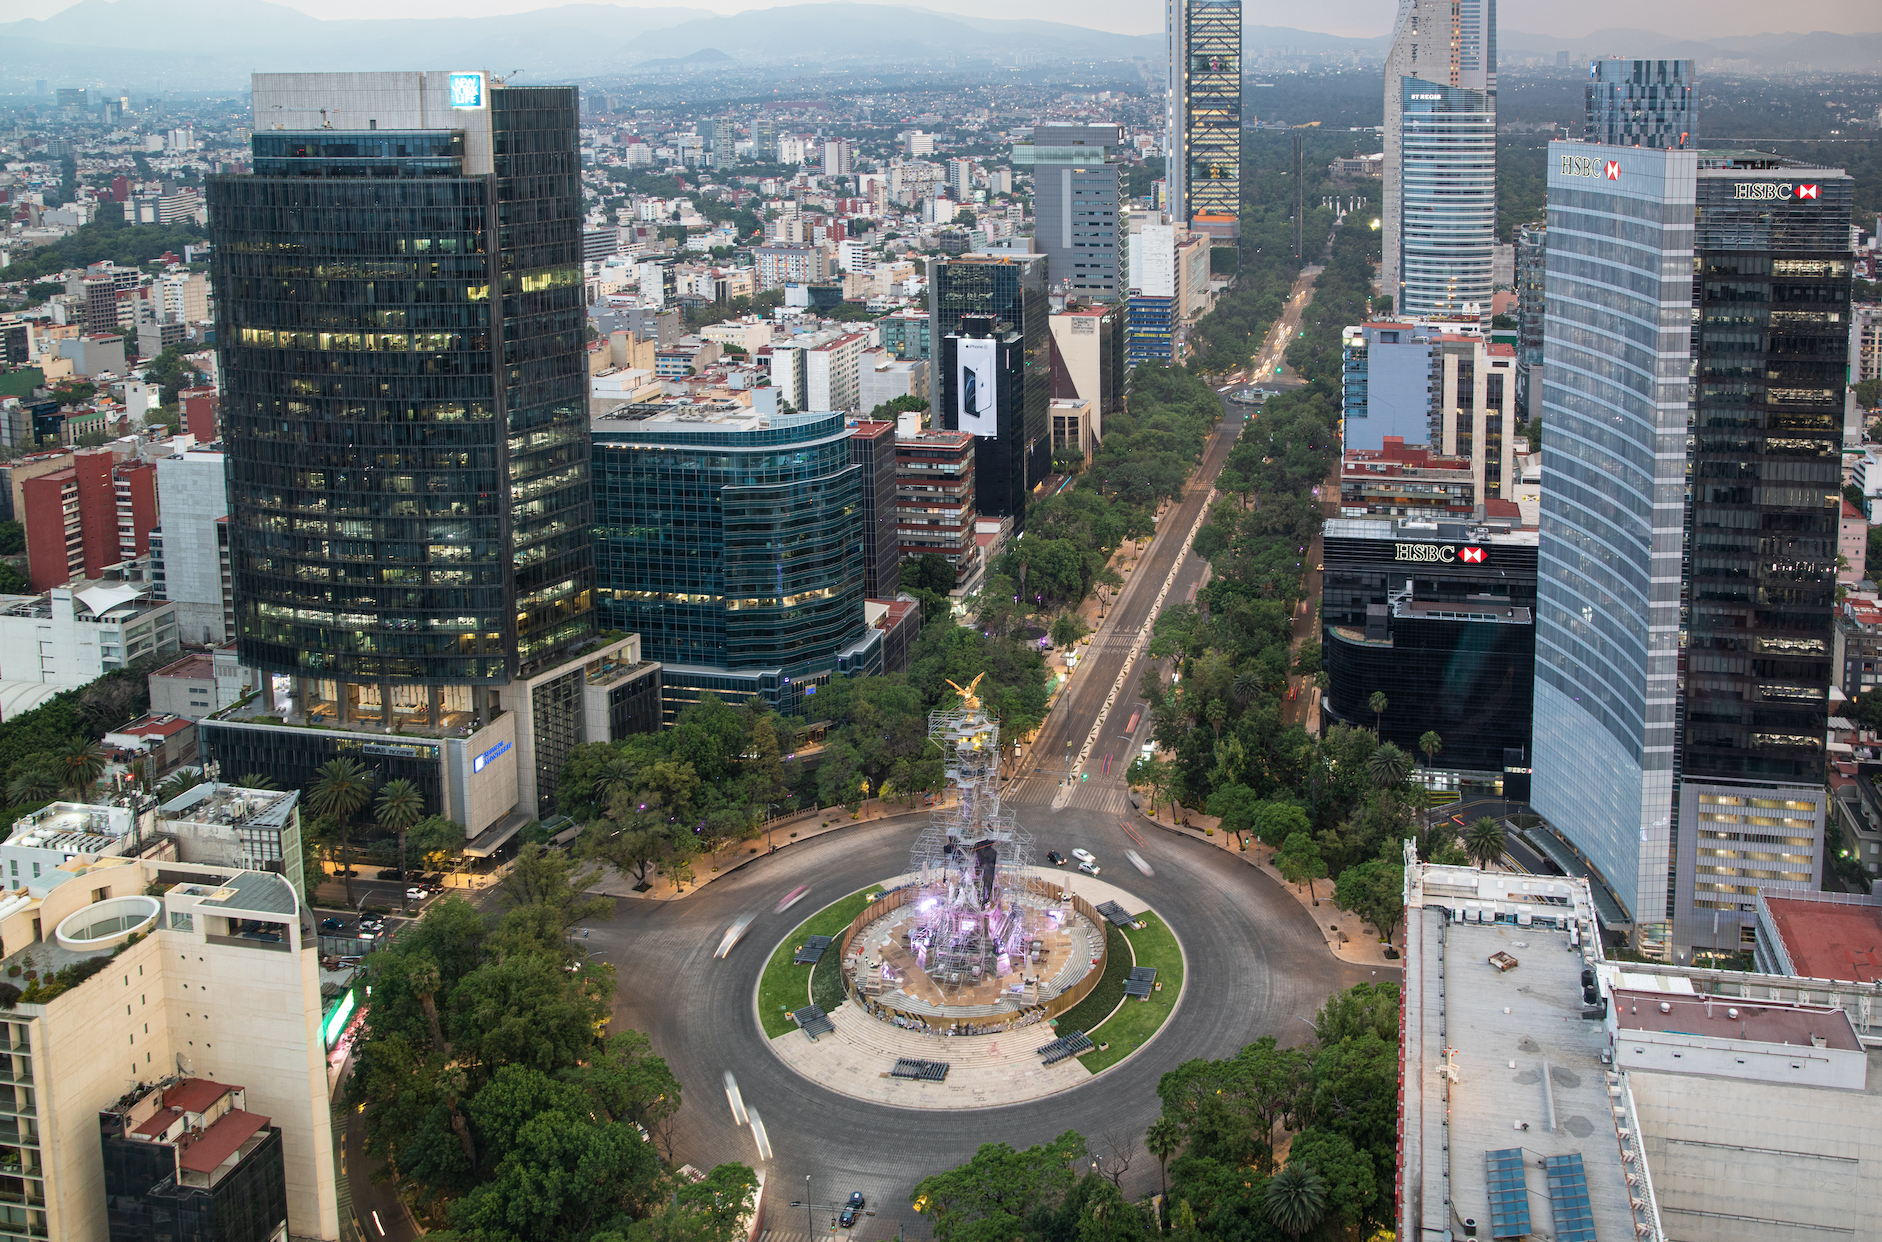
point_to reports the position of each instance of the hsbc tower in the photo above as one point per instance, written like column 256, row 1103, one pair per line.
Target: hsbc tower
column 1691, row 393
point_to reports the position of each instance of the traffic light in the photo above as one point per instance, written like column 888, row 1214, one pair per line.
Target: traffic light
column 1084, row 776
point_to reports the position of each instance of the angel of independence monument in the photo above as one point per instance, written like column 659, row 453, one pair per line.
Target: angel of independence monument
column 977, row 937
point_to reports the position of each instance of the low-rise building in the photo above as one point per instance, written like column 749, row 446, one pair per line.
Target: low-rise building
column 1406, row 480
column 934, row 495
column 200, row 683
column 882, row 377
column 232, row 826
column 1647, row 1100
column 186, row 1159
column 161, row 742
column 76, row 633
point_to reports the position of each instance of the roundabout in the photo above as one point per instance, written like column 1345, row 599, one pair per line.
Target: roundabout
column 1256, row 962
column 979, row 1055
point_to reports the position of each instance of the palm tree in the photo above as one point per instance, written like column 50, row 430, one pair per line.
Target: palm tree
column 424, row 979
column 1163, row 1139
column 35, row 784
column 1378, row 705
column 179, row 784
column 399, row 806
column 255, row 780
column 342, row 790
column 1388, row 766
column 1296, row 1200
column 1247, row 684
column 1432, row 745
column 82, row 764
column 1484, row 841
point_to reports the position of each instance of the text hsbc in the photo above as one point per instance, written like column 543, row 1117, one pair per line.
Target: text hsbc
column 1782, row 190
column 1587, row 166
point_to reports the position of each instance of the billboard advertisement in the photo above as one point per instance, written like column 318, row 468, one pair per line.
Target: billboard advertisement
column 976, row 365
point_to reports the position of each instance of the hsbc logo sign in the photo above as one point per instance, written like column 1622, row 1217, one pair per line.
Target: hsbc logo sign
column 1437, row 553
column 1778, row 191
column 1588, row 166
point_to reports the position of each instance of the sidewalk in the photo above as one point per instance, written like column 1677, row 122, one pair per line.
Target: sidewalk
column 1349, row 937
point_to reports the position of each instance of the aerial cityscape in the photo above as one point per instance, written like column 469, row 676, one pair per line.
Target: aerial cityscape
column 839, row 622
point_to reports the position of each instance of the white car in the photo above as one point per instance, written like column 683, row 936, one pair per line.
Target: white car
column 732, row 934
column 1084, row 856
column 1137, row 861
column 1088, row 868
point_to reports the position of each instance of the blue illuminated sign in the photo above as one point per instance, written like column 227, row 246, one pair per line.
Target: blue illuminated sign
column 467, row 90
column 478, row 764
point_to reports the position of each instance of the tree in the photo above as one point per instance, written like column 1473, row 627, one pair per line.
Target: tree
column 81, row 764
column 398, row 807
column 1351, row 1181
column 1483, row 841
column 989, row 1198
column 1153, row 775
column 33, row 785
column 255, row 780
column 1296, row 1199
column 1163, row 1139
column 1389, row 766
column 436, row 842
column 548, row 892
column 1431, row 744
column 342, row 789
column 1378, row 705
column 1067, row 629
column 1299, row 861
column 1374, row 890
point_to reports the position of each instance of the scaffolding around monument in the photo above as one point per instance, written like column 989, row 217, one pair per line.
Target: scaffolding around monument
column 978, row 914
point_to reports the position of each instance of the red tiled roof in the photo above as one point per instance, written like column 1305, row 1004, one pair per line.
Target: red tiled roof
column 1495, row 508
column 160, row 1121
column 1829, row 941
column 219, row 1141
column 197, row 665
column 156, row 726
column 193, row 1095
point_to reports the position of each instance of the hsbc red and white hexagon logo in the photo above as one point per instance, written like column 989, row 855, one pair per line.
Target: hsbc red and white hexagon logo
column 1470, row 556
column 1807, row 191
column 1614, row 170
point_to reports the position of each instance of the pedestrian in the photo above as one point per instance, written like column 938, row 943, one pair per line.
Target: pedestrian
column 584, row 933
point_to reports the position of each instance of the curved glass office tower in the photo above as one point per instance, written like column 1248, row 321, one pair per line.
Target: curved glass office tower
column 732, row 542
column 1692, row 381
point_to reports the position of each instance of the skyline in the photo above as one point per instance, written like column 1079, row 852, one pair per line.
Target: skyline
column 1356, row 19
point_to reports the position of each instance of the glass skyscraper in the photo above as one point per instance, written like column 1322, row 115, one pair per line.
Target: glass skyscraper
column 732, row 542
column 400, row 321
column 1203, row 165
column 401, row 328
column 1691, row 396
column 1641, row 103
column 1440, row 158
column 1008, row 292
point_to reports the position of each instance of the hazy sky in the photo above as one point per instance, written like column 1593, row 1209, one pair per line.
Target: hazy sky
column 1707, row 18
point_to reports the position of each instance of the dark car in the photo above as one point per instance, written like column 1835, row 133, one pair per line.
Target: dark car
column 332, row 924
column 1055, row 858
column 851, row 1210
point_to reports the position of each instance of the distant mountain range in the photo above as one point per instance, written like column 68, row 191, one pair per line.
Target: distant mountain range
column 211, row 44
column 216, row 44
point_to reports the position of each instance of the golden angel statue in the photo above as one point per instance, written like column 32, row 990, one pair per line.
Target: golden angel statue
column 969, row 699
